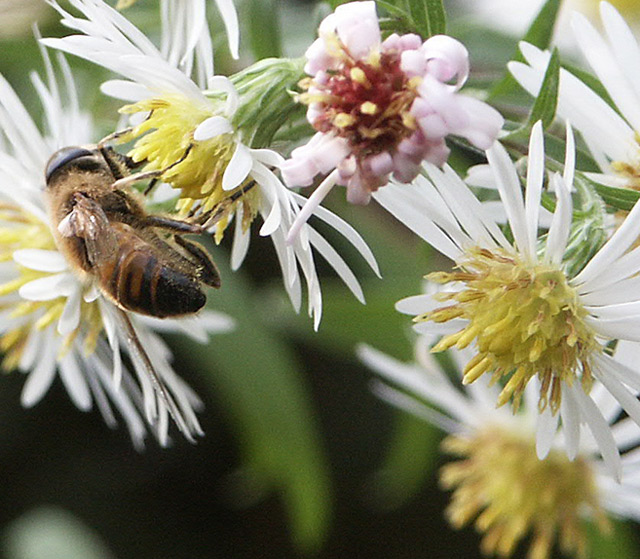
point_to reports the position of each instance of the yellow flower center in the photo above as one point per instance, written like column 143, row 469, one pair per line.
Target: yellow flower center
column 194, row 168
column 525, row 319
column 23, row 231
column 500, row 483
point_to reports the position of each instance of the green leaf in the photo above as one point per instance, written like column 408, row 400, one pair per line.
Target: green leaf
column 538, row 34
column 255, row 375
column 545, row 106
column 620, row 543
column 424, row 17
column 410, row 459
column 436, row 17
column 264, row 28
column 618, row 198
column 428, row 16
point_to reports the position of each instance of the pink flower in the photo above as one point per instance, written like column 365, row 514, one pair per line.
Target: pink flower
column 381, row 108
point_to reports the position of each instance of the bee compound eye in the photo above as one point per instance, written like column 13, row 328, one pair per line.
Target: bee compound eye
column 68, row 157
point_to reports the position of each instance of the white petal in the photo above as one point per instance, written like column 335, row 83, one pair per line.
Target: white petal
column 615, row 247
column 238, row 168
column 417, row 304
column 41, row 260
column 49, row 287
column 211, row 127
column 126, row 90
column 336, row 262
column 241, row 240
column 599, row 429
column 560, row 223
column 628, row 401
column 569, row 157
column 230, row 19
column 40, row 379
column 346, row 230
column 312, row 203
column 546, row 432
column 404, row 209
column 535, row 175
column 603, row 62
column 267, row 157
column 75, row 383
column 91, row 294
column 509, row 188
column 70, row 317
column 273, row 221
column 222, row 83
column 570, row 414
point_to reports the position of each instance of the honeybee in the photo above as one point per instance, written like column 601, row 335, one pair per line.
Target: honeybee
column 106, row 235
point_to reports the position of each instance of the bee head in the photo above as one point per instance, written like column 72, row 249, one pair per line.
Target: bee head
column 73, row 158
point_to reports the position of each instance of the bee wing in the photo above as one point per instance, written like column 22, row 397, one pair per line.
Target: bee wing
column 160, row 387
column 88, row 221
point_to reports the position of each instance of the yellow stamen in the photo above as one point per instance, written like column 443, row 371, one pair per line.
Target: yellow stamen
column 525, row 320
column 23, row 231
column 369, row 108
column 343, row 120
column 51, row 315
column 500, row 482
column 358, row 76
column 194, row 168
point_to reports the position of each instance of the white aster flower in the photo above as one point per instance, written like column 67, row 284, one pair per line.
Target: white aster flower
column 496, row 477
column 517, row 303
column 185, row 43
column 381, row 107
column 189, row 133
column 610, row 134
column 54, row 322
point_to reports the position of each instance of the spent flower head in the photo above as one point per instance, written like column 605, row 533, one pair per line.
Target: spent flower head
column 198, row 142
column 497, row 480
column 53, row 319
column 380, row 108
column 523, row 306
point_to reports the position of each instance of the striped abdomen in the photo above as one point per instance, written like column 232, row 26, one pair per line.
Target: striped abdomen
column 141, row 281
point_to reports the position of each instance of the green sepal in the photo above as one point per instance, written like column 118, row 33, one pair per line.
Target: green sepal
column 267, row 101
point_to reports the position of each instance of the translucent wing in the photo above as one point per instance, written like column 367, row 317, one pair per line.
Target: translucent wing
column 88, row 221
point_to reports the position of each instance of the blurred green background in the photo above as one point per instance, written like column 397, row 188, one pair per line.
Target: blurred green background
column 299, row 458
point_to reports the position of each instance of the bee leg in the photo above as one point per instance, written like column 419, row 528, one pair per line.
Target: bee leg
column 114, row 136
column 150, row 186
column 120, row 165
column 217, row 212
column 208, row 270
column 151, row 174
column 170, row 224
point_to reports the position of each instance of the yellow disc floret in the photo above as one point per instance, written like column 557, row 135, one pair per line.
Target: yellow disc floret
column 500, row 482
column 525, row 320
column 20, row 230
column 164, row 141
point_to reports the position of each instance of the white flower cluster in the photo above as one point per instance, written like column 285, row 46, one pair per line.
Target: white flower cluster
column 532, row 324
